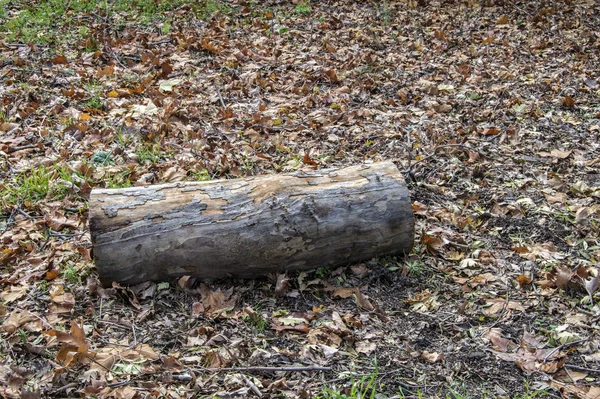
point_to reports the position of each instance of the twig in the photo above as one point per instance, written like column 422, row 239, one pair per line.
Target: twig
column 66, row 387
column 295, row 125
column 119, row 384
column 251, row 385
column 183, row 377
column 266, row 369
column 134, row 336
column 21, row 148
column 221, row 98
column 44, row 321
column 159, row 42
column 60, row 235
column 105, row 342
column 570, row 376
column 22, row 212
column 552, row 352
column 113, row 324
column 582, row 368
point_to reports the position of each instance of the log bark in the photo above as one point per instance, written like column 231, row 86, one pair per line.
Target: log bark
column 251, row 226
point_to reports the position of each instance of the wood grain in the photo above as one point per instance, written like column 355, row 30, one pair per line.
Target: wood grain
column 252, row 226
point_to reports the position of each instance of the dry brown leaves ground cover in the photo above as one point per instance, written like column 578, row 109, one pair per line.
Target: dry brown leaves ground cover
column 491, row 110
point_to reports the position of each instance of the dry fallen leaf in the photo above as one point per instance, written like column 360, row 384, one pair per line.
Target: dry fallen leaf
column 344, row 292
column 499, row 343
column 365, row 347
column 523, row 280
column 18, row 319
column 432, row 357
column 592, row 285
column 569, row 390
column 498, row 305
column 217, row 301
column 282, row 286
column 433, row 244
column 361, row 299
column 14, row 293
column 562, row 276
column 74, row 348
column 503, row 20
column 360, row 270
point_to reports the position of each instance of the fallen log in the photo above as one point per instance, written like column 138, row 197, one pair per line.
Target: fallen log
column 251, row 226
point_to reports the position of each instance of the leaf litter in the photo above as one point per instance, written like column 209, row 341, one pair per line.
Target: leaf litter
column 489, row 108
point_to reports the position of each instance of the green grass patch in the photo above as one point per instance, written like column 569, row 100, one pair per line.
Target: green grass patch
column 200, row 175
column 102, row 158
column 38, row 21
column 63, row 184
column 149, row 153
column 256, row 320
column 118, row 180
column 71, row 274
column 303, row 8
column 364, row 388
column 53, row 21
column 31, row 186
column 94, row 102
column 207, row 8
column 40, row 183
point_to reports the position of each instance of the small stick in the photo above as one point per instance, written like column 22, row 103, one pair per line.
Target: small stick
column 290, row 368
column 159, row 42
column 44, row 321
column 552, row 352
column 21, row 148
column 22, row 212
column 582, row 368
column 113, row 324
column 221, row 98
column 119, row 384
column 569, row 375
column 183, row 377
column 66, row 387
column 253, row 387
column 134, row 336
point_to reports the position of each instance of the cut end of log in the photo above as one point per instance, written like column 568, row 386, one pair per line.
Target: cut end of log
column 252, row 226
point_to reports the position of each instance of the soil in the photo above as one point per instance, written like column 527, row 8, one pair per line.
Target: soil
column 489, row 109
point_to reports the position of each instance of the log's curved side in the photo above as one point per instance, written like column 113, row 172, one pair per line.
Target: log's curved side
column 252, row 226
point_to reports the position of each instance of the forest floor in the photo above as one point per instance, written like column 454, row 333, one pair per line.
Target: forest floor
column 491, row 111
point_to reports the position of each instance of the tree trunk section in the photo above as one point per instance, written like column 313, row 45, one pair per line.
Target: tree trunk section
column 251, row 226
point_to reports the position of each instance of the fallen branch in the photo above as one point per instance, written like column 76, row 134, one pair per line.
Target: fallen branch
column 251, row 385
column 251, row 226
column 264, row 369
column 21, row 148
column 558, row 348
column 571, row 366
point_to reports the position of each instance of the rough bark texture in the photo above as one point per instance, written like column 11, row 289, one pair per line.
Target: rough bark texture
column 252, row 226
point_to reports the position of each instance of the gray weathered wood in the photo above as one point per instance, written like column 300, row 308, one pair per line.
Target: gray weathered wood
column 251, row 226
